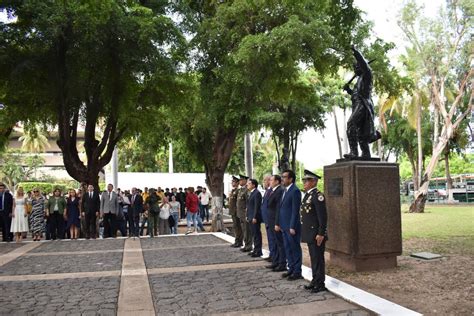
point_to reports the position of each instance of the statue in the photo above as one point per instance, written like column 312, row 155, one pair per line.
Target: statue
column 360, row 127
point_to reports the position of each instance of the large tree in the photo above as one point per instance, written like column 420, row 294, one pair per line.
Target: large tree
column 91, row 65
column 247, row 55
column 442, row 50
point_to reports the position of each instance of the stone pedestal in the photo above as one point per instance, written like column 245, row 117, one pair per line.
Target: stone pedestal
column 364, row 216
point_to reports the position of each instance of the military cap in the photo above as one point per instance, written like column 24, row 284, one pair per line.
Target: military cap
column 235, row 179
column 242, row 177
column 309, row 175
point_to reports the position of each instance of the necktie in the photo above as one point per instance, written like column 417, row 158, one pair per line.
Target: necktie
column 90, row 195
column 284, row 193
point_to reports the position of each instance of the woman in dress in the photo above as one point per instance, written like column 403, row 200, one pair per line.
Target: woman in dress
column 37, row 214
column 175, row 209
column 19, row 215
column 72, row 214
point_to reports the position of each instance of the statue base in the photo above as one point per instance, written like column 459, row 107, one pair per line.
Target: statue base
column 357, row 159
column 364, row 215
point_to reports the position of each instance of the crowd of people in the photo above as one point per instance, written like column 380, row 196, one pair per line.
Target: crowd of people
column 288, row 218
column 88, row 213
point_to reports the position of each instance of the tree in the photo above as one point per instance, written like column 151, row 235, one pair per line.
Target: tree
column 34, row 139
column 17, row 168
column 442, row 50
column 96, row 65
column 246, row 57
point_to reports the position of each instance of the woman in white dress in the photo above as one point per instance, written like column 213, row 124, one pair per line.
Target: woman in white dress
column 19, row 215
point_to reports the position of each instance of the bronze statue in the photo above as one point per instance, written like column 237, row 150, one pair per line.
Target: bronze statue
column 360, row 127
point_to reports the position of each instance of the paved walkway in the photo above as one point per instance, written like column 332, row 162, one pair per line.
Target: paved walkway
column 184, row 275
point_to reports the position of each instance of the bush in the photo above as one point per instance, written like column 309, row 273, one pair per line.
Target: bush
column 45, row 187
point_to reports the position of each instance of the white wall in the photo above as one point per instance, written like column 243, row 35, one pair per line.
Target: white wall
column 128, row 180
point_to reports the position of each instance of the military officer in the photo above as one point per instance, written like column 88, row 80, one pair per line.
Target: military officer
column 242, row 198
column 233, row 212
column 313, row 229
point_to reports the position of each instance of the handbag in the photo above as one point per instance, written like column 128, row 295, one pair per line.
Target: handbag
column 171, row 221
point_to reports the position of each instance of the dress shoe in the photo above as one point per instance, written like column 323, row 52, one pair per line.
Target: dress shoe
column 294, row 277
column 271, row 266
column 245, row 249
column 268, row 259
column 309, row 286
column 236, row 245
column 256, row 255
column 318, row 289
column 251, row 253
column 286, row 274
column 279, row 269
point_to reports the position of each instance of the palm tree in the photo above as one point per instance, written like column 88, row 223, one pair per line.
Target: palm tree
column 34, row 139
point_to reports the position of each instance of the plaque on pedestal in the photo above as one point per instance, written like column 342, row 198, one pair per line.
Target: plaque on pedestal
column 364, row 216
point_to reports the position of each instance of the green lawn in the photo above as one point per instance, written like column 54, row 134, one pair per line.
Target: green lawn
column 442, row 228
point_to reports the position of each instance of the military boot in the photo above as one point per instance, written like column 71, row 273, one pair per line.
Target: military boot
column 354, row 153
column 364, row 147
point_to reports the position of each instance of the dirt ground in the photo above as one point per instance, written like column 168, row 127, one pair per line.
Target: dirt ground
column 438, row 287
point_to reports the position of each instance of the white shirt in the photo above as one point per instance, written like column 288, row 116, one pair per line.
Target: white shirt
column 165, row 211
column 204, row 197
column 273, row 189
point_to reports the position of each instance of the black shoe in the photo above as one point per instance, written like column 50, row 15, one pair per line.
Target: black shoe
column 271, row 267
column 251, row 253
column 318, row 289
column 256, row 255
column 279, row 269
column 286, row 274
column 245, row 249
column 294, row 277
column 309, row 286
column 269, row 259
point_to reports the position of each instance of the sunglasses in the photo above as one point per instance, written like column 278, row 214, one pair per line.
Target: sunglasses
column 35, row 191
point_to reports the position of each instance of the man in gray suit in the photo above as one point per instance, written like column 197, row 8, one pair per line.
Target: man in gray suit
column 109, row 207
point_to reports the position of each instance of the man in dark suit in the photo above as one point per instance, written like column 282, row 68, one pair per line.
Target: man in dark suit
column 6, row 207
column 90, row 211
column 136, row 208
column 313, row 229
column 181, row 197
column 266, row 196
column 288, row 221
column 274, row 200
column 254, row 216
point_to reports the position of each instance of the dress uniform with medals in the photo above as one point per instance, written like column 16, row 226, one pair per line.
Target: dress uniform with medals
column 242, row 197
column 233, row 195
column 314, row 222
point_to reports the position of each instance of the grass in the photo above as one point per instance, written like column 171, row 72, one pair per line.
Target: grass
column 445, row 228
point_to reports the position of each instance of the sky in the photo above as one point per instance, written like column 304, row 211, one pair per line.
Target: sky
column 317, row 149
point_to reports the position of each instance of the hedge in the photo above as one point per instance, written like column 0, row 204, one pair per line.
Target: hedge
column 45, row 187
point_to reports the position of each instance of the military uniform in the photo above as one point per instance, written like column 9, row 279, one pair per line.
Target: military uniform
column 242, row 197
column 235, row 219
column 313, row 218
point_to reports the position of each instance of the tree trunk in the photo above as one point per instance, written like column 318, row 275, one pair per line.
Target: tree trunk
column 449, row 181
column 215, row 169
column 436, row 126
column 339, row 145
column 419, row 141
column 248, row 155
column 285, row 157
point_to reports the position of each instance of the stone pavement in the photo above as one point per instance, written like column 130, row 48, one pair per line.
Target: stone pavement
column 178, row 275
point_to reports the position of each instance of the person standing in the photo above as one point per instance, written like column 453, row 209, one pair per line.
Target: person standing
column 288, row 222
column 254, row 216
column 37, row 214
column 204, row 198
column 136, row 208
column 266, row 196
column 192, row 205
column 90, row 211
column 109, row 207
column 175, row 209
column 181, row 198
column 55, row 214
column 314, row 229
column 6, row 208
column 72, row 214
column 153, row 202
column 242, row 198
column 274, row 201
column 19, row 223
column 233, row 212
column 165, row 212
